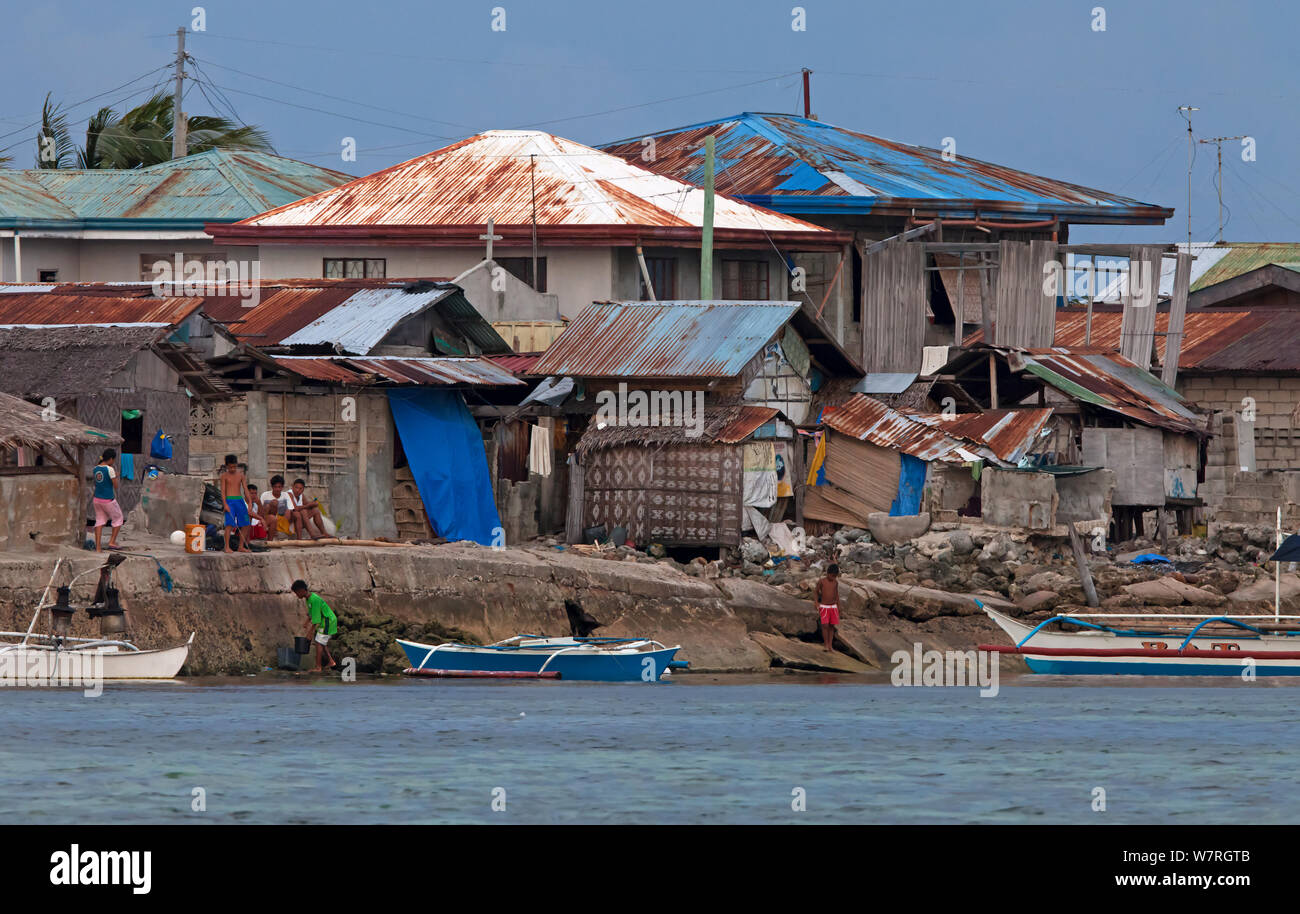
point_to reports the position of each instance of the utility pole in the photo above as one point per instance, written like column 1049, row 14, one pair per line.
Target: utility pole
column 706, row 233
column 1218, row 141
column 180, row 140
column 533, row 181
column 1185, row 111
column 807, row 94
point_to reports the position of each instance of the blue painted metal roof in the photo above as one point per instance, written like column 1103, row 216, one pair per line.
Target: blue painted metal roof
column 674, row 339
column 214, row 186
column 795, row 165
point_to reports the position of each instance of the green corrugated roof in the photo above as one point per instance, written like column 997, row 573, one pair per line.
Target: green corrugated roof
column 1243, row 258
column 213, row 186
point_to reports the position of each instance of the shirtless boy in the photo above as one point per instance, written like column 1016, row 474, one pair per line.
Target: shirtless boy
column 828, row 604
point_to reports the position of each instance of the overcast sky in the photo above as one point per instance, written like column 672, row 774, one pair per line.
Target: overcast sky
column 1030, row 84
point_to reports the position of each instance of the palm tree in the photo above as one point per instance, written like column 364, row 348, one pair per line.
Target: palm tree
column 54, row 146
column 140, row 137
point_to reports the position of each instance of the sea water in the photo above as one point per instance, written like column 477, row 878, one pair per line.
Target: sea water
column 789, row 749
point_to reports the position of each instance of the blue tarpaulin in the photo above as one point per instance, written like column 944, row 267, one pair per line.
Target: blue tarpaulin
column 911, row 481
column 445, row 451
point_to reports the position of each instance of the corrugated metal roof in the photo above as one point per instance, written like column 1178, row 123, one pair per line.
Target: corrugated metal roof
column 748, row 419
column 793, row 164
column 867, row 419
column 1112, row 382
column 1010, row 433
column 520, row 364
column 429, row 372
column 492, row 176
column 214, row 186
column 356, row 314
column 364, row 318
column 665, row 339
column 1224, row 340
column 57, row 307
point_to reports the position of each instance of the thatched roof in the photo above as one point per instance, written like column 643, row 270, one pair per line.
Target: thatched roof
column 722, row 426
column 68, row 361
column 25, row 425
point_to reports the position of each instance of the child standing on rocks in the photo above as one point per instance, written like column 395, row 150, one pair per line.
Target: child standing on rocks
column 828, row 604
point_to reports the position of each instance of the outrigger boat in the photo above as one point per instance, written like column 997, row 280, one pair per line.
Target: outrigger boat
column 1154, row 644
column 54, row 658
column 537, row 657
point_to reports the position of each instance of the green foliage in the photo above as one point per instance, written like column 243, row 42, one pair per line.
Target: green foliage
column 138, row 138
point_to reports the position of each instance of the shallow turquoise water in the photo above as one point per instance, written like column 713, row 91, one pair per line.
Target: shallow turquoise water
column 699, row 750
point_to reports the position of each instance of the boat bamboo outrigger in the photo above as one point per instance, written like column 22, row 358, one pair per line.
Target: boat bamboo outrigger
column 54, row 657
column 1138, row 644
column 537, row 657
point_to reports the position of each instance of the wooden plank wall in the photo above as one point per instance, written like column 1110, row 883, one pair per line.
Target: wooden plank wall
column 1177, row 313
column 1026, row 312
column 1138, row 325
column 894, row 303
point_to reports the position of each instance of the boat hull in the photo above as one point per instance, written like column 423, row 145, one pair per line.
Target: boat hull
column 38, row 666
column 1100, row 653
column 588, row 666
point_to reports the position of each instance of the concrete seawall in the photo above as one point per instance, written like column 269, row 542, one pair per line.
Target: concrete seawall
column 241, row 608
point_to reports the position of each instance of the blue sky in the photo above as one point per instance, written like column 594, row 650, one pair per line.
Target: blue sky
column 1030, row 85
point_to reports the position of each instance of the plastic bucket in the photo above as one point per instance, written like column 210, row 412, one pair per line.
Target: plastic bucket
column 302, row 645
column 195, row 538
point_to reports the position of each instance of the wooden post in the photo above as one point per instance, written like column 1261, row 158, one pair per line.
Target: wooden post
column 363, row 530
column 993, row 381
column 986, row 306
column 1081, row 560
column 1162, row 522
column 959, row 328
column 797, row 480
column 573, row 512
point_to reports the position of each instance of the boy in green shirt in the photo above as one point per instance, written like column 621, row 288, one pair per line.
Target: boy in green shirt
column 320, row 617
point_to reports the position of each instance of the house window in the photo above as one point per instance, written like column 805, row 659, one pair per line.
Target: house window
column 356, row 268
column 522, row 269
column 745, row 280
column 47, row 275
column 132, row 431
column 152, row 265
column 310, row 447
column 663, row 274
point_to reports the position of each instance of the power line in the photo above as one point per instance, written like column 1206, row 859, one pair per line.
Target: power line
column 336, row 98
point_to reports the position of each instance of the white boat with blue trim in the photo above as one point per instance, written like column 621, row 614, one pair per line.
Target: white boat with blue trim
column 1154, row 644
column 538, row 657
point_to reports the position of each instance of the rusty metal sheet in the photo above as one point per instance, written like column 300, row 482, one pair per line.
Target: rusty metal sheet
column 494, row 175
column 433, row 372
column 1010, row 433
column 57, row 308
column 748, row 419
column 867, row 419
column 797, row 165
column 665, row 339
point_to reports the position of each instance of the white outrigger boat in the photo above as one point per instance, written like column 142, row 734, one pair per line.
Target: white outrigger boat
column 1154, row 644
column 55, row 658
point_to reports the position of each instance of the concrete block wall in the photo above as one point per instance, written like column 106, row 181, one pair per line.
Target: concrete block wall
column 1277, row 439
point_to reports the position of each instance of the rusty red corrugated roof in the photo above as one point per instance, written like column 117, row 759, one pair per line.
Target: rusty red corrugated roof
column 494, row 175
column 57, row 307
column 429, row 372
column 1010, row 433
column 867, row 419
column 746, row 421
